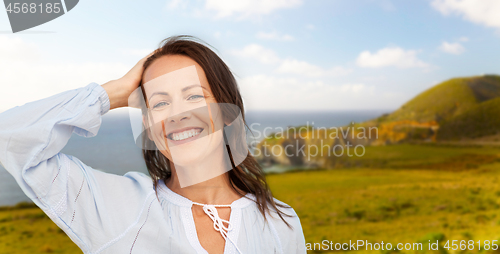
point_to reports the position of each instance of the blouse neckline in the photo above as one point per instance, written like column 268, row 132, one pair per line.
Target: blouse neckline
column 188, row 220
column 182, row 201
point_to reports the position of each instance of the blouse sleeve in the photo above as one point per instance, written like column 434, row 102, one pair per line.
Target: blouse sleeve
column 291, row 238
column 93, row 208
column 295, row 242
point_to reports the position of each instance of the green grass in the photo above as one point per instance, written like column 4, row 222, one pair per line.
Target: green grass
column 422, row 192
column 29, row 230
column 424, row 156
column 393, row 205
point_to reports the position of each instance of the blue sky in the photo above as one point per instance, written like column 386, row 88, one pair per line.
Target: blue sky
column 286, row 54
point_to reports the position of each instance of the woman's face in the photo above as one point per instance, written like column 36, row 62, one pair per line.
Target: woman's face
column 181, row 111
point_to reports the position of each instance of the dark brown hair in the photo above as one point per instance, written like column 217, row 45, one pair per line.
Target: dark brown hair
column 248, row 176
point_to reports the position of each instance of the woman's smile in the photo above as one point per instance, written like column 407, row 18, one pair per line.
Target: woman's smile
column 184, row 135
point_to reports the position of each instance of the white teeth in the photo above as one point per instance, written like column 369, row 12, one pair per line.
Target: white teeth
column 185, row 134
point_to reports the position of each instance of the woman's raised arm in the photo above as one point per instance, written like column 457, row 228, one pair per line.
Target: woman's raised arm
column 92, row 207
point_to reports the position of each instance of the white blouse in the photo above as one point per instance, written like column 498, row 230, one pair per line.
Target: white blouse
column 107, row 213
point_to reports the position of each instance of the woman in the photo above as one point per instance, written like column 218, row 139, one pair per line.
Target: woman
column 232, row 212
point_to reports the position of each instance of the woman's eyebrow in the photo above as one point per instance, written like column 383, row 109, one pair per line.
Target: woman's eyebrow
column 158, row 93
column 192, row 86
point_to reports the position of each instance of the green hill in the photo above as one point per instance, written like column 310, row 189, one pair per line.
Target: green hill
column 448, row 99
column 481, row 120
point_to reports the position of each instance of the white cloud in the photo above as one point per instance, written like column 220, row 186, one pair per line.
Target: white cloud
column 452, row 48
column 25, row 76
column 173, row 4
column 292, row 66
column 374, row 78
column 15, row 49
column 288, row 66
column 263, row 92
column 248, row 8
column 240, row 9
column 463, row 39
column 355, row 88
column 267, row 92
column 258, row 52
column 310, row 27
column 485, row 12
column 390, row 56
column 136, row 52
column 226, row 34
column 274, row 36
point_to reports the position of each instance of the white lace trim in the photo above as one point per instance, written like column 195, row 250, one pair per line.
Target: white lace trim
column 62, row 205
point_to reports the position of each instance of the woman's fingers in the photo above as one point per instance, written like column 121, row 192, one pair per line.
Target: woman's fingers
column 119, row 90
column 135, row 73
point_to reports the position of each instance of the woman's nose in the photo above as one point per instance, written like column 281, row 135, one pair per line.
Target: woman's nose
column 179, row 112
column 179, row 117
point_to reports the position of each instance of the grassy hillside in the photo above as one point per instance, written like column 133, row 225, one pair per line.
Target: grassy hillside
column 457, row 109
column 448, row 99
column 480, row 120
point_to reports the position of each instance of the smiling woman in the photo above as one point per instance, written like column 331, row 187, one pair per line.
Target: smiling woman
column 206, row 194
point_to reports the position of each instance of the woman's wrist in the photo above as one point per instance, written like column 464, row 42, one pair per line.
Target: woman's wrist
column 115, row 91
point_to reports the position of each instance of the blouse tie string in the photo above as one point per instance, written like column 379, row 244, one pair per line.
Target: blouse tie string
column 211, row 211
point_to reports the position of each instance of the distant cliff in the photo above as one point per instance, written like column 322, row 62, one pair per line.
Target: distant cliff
column 457, row 109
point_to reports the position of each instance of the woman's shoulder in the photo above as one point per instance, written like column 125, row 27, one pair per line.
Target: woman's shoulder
column 140, row 178
column 291, row 235
column 140, row 181
column 287, row 212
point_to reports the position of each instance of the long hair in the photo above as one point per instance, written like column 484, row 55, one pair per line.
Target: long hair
column 248, row 176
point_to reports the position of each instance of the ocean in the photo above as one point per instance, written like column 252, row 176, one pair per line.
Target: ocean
column 113, row 149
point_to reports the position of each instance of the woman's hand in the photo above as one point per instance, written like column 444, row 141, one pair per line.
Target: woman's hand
column 120, row 89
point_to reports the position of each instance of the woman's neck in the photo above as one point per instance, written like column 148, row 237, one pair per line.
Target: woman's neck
column 215, row 191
